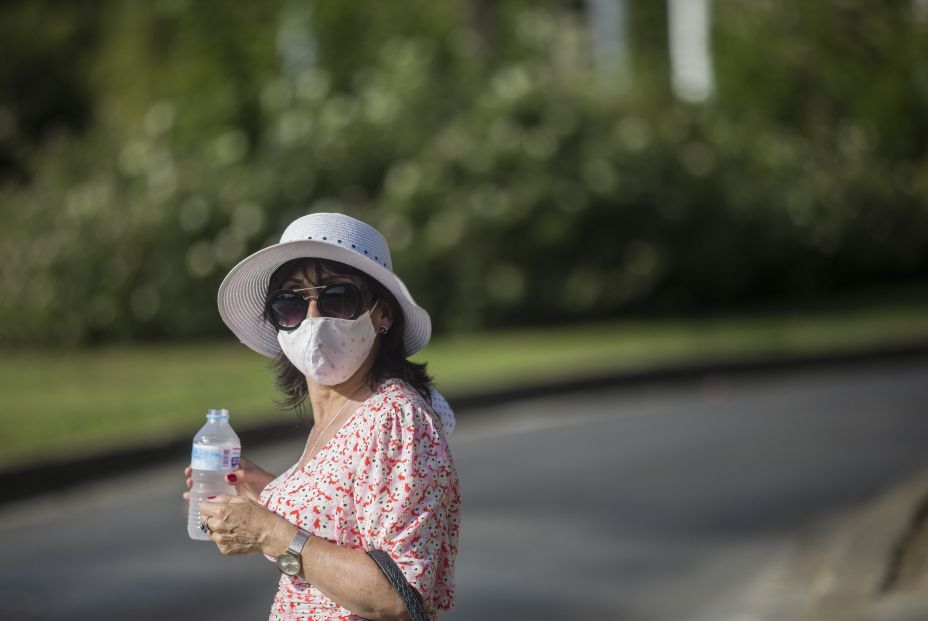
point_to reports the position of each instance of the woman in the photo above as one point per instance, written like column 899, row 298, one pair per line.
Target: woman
column 376, row 472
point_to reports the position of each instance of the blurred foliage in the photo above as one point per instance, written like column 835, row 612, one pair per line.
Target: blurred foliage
column 516, row 182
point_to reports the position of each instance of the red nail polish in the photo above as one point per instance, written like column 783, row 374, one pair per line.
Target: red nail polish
column 231, row 478
column 210, row 497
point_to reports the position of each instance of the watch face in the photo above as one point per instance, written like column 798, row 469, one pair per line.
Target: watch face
column 288, row 564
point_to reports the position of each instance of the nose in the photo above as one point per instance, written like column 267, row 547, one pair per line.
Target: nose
column 312, row 309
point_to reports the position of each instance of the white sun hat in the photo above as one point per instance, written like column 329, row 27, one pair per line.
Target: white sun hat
column 331, row 236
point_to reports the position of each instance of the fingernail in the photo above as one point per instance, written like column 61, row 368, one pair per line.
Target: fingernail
column 231, row 478
column 210, row 497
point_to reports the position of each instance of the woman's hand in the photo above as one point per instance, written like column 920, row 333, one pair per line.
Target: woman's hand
column 188, row 472
column 248, row 480
column 242, row 526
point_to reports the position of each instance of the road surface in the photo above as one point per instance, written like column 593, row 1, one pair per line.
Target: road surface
column 654, row 504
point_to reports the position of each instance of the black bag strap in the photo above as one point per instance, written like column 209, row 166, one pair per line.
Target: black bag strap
column 409, row 595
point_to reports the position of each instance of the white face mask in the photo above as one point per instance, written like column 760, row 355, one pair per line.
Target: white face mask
column 329, row 350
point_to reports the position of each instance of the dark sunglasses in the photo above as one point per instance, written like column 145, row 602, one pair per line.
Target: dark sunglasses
column 287, row 308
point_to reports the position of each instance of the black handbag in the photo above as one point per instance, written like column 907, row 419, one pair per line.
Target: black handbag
column 409, row 595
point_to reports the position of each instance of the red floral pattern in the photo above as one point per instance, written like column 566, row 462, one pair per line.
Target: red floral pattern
column 385, row 481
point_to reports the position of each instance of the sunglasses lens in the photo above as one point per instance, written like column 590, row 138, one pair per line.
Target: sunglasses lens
column 342, row 301
column 287, row 310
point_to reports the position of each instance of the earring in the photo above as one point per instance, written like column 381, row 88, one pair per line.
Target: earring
column 383, row 329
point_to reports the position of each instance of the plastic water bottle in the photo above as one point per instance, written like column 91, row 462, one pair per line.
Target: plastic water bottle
column 216, row 451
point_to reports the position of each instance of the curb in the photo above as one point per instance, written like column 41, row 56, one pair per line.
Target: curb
column 842, row 569
column 21, row 483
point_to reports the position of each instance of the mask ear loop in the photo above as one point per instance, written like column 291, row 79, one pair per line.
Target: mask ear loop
column 382, row 329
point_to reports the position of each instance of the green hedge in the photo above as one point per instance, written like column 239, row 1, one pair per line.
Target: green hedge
column 528, row 188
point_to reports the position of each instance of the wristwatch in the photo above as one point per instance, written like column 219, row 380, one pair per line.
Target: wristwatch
column 289, row 561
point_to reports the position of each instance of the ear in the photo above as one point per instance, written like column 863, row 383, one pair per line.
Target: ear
column 382, row 318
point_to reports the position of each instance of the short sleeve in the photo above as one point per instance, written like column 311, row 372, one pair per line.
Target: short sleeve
column 405, row 494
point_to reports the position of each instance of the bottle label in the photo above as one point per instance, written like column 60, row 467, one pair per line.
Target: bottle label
column 214, row 458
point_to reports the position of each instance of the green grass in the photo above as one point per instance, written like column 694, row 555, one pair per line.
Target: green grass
column 55, row 405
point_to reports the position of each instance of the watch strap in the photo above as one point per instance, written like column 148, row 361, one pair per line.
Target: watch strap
column 299, row 540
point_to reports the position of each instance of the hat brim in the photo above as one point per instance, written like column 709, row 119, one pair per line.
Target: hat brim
column 242, row 293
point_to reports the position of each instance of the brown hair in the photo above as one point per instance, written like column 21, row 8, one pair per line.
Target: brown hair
column 391, row 360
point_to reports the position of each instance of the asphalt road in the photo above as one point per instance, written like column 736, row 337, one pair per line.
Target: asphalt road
column 665, row 503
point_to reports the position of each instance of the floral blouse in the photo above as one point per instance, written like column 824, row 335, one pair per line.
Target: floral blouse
column 385, row 481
